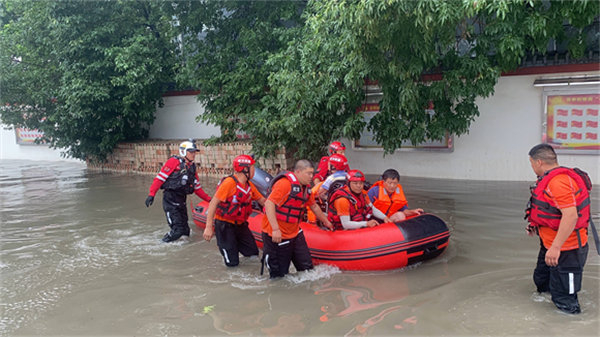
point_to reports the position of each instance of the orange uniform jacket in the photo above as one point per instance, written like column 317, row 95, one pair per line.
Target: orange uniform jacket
column 279, row 195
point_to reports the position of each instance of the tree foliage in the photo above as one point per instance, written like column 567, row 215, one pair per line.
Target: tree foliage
column 288, row 73
column 88, row 75
column 319, row 83
column 226, row 46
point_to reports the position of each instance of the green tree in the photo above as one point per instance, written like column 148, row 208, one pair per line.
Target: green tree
column 225, row 49
column 319, row 81
column 87, row 74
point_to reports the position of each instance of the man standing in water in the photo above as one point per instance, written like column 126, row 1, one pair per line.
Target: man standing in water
column 228, row 212
column 559, row 212
column 284, row 210
column 178, row 177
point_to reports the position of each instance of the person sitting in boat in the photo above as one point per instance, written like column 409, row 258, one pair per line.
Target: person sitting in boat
column 310, row 215
column 323, row 169
column 349, row 206
column 338, row 164
column 229, row 210
column 388, row 197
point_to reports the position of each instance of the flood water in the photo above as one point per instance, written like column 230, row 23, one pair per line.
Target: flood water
column 81, row 255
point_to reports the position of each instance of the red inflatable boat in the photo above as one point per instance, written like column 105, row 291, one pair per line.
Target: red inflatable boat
column 387, row 246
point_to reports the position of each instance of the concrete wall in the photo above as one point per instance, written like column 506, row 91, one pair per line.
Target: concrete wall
column 495, row 148
column 177, row 120
column 9, row 149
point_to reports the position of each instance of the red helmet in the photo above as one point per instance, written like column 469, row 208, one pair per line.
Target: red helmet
column 335, row 146
column 355, row 175
column 242, row 161
column 338, row 161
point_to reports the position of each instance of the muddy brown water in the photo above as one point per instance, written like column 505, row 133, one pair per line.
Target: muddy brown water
column 81, row 255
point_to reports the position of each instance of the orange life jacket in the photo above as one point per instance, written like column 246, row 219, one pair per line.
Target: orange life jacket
column 359, row 210
column 238, row 207
column 293, row 208
column 389, row 204
column 540, row 211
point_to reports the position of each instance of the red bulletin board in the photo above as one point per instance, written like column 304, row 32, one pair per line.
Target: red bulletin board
column 572, row 122
column 27, row 136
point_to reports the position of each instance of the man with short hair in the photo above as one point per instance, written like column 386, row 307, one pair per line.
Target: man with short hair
column 388, row 197
column 178, row 178
column 559, row 213
column 283, row 239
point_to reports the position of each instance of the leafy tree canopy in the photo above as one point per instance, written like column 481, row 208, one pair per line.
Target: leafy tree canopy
column 319, row 81
column 226, row 48
column 88, row 75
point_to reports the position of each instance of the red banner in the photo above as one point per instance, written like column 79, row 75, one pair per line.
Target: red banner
column 572, row 121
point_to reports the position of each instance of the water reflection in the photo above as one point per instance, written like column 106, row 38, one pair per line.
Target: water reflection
column 81, row 255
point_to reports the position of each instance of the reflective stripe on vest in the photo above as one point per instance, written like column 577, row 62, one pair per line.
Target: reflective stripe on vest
column 293, row 208
column 359, row 210
column 182, row 180
column 238, row 207
column 541, row 211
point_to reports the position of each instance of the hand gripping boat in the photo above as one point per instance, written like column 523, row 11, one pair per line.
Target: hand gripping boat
column 387, row 246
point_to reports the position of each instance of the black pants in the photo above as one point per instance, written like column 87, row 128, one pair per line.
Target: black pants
column 175, row 207
column 564, row 280
column 233, row 239
column 277, row 256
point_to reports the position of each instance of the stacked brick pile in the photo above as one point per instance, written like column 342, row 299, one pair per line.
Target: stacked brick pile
column 213, row 160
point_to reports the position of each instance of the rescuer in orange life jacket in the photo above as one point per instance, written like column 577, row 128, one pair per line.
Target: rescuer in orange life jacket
column 229, row 210
column 559, row 212
column 349, row 206
column 283, row 239
column 388, row 197
column 323, row 169
column 178, row 178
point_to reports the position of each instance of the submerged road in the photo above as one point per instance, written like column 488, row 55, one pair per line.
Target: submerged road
column 81, row 255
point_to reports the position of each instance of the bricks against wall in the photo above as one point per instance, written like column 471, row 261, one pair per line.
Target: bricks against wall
column 148, row 157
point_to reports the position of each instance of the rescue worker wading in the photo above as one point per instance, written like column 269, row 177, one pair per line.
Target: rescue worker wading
column 178, row 178
column 284, row 209
column 559, row 212
column 229, row 211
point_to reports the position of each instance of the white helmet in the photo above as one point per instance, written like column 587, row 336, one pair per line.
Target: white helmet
column 187, row 146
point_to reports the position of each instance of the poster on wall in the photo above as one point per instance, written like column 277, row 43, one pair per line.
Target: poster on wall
column 28, row 137
column 367, row 138
column 572, row 122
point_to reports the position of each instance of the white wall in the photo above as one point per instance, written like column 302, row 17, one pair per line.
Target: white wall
column 495, row 148
column 9, row 149
column 177, row 120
